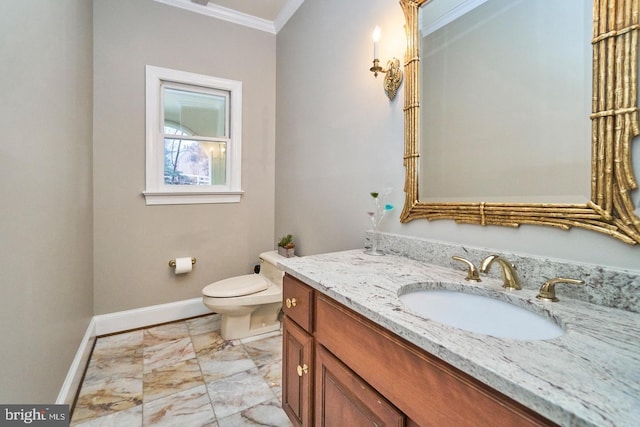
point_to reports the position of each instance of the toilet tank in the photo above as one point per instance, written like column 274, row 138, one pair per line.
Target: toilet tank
column 269, row 267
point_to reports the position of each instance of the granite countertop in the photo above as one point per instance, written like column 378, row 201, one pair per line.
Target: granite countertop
column 590, row 376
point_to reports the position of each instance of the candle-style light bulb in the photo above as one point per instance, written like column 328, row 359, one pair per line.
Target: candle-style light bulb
column 376, row 39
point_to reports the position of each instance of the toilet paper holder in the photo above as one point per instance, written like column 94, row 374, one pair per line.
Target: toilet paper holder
column 172, row 263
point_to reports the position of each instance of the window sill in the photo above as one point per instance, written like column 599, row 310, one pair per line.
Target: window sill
column 190, row 198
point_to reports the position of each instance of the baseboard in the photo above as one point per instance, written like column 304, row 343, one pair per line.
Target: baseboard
column 74, row 377
column 104, row 324
column 147, row 316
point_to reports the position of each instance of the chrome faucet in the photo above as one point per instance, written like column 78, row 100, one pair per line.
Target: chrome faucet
column 508, row 271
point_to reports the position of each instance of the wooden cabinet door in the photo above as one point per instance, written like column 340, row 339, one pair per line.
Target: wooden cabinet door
column 297, row 373
column 344, row 399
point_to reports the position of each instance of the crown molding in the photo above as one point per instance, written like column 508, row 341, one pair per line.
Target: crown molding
column 236, row 17
column 450, row 15
column 286, row 12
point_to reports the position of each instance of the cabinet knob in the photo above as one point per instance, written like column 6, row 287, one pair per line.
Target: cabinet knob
column 291, row 302
column 304, row 369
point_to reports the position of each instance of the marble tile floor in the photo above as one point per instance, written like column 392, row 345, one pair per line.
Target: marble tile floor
column 182, row 374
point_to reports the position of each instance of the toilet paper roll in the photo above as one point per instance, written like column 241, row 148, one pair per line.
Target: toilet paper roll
column 183, row 265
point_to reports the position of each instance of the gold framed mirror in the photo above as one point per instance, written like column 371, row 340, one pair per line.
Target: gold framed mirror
column 614, row 123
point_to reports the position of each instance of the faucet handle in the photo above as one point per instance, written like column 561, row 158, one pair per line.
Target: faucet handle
column 548, row 289
column 472, row 271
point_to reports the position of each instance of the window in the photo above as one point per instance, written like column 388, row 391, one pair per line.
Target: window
column 194, row 126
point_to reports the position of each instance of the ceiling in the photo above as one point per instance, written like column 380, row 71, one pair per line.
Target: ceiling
column 264, row 15
column 265, row 9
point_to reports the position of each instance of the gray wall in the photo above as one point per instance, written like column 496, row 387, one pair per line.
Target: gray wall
column 338, row 135
column 338, row 138
column 134, row 242
column 46, row 193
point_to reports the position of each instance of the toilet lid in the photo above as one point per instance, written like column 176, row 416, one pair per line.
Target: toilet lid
column 236, row 286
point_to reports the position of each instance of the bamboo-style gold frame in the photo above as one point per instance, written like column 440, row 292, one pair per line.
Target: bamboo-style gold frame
column 614, row 124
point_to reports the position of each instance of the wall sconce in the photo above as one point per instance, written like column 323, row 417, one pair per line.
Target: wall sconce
column 393, row 78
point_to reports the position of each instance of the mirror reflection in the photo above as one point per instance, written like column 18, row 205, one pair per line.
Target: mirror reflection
column 475, row 128
column 505, row 100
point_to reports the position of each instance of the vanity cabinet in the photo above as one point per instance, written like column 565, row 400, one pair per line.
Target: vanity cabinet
column 297, row 352
column 364, row 375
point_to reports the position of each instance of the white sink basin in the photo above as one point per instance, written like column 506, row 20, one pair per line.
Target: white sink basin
column 480, row 314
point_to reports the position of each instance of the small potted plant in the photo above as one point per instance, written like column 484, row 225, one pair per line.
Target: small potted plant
column 286, row 247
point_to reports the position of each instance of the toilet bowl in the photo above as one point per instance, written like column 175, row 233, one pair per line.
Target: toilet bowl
column 249, row 305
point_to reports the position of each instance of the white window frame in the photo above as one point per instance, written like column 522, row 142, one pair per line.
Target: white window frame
column 159, row 193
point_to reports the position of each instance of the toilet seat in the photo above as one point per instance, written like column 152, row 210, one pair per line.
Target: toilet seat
column 236, row 286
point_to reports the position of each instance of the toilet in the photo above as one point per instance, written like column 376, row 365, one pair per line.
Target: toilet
column 249, row 305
